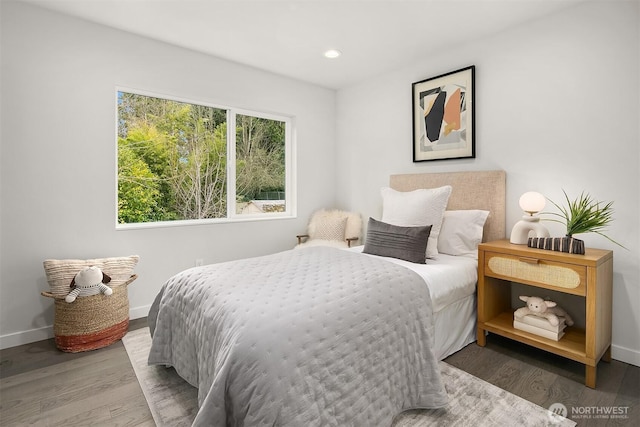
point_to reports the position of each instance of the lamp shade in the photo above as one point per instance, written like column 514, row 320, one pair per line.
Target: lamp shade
column 532, row 202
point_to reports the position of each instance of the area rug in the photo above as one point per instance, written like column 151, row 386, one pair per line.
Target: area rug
column 473, row 402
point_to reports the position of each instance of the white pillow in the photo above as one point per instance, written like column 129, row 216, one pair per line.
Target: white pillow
column 417, row 208
column 461, row 232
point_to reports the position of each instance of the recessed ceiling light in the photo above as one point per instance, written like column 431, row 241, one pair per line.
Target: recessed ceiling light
column 332, row 53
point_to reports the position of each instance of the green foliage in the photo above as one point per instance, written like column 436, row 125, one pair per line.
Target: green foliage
column 172, row 159
column 137, row 187
column 584, row 215
column 260, row 154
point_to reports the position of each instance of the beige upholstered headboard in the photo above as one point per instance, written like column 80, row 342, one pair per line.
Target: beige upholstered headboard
column 471, row 190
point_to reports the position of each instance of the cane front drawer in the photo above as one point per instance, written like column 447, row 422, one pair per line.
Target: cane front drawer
column 537, row 271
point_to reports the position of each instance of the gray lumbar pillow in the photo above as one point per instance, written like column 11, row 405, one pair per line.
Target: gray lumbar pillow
column 406, row 243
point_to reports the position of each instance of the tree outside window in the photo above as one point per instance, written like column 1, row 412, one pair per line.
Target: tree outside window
column 174, row 161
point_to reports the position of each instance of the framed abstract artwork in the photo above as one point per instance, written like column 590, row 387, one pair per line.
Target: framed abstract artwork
column 444, row 116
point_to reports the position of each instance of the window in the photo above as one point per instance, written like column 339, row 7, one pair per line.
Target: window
column 180, row 161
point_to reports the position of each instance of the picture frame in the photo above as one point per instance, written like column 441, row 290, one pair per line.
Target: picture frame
column 444, row 116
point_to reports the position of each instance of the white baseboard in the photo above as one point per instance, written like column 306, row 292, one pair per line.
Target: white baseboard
column 626, row 355
column 138, row 312
column 25, row 337
column 32, row 335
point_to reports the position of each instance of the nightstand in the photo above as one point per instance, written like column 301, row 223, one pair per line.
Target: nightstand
column 589, row 276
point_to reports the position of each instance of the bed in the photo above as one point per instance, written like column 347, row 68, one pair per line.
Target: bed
column 455, row 308
column 323, row 336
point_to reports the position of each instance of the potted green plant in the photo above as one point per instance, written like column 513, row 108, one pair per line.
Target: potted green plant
column 582, row 215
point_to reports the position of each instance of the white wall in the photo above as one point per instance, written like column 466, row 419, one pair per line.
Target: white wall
column 557, row 107
column 58, row 163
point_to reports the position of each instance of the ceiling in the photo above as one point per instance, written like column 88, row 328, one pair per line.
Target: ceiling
column 290, row 37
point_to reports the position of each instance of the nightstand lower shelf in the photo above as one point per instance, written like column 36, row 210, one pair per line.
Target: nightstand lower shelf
column 571, row 345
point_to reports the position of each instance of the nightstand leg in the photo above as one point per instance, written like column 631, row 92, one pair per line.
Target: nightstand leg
column 606, row 357
column 482, row 338
column 590, row 376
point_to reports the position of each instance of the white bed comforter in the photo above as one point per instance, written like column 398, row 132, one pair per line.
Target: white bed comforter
column 449, row 278
column 308, row 337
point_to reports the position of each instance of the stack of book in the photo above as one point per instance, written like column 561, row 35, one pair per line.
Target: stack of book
column 540, row 326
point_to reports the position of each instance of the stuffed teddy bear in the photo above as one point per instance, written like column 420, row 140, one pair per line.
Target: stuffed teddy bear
column 547, row 309
column 89, row 281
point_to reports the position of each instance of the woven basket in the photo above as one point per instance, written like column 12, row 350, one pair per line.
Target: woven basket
column 91, row 322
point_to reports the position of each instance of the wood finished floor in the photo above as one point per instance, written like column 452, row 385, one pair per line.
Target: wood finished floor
column 42, row 386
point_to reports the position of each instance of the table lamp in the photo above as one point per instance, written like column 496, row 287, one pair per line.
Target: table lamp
column 531, row 202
